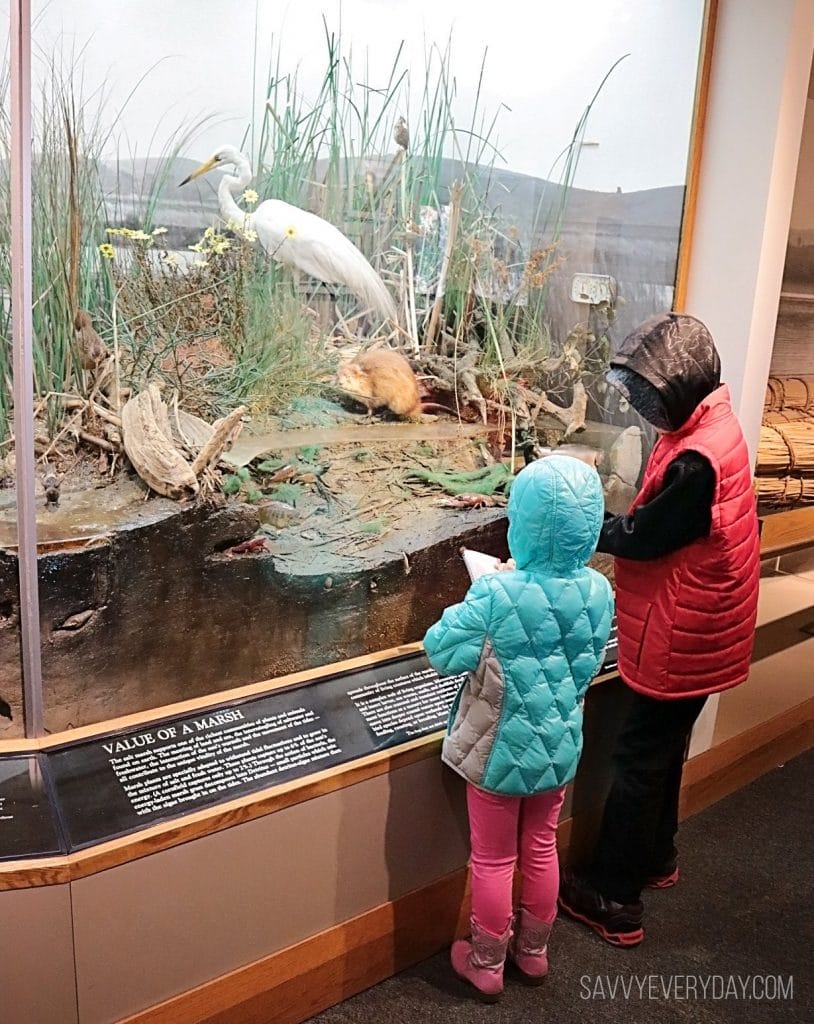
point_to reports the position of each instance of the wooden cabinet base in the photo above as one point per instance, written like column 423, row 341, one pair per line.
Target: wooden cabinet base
column 264, row 921
column 290, row 986
column 296, row 983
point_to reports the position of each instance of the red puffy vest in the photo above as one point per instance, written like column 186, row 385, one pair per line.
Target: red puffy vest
column 687, row 620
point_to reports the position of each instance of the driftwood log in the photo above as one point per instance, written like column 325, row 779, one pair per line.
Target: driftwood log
column 572, row 416
column 149, row 445
column 154, row 441
column 224, row 435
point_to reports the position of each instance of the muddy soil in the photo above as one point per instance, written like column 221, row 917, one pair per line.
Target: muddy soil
column 145, row 601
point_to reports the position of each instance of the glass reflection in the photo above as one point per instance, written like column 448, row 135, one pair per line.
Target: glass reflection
column 275, row 401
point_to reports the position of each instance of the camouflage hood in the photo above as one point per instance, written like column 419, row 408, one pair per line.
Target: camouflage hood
column 675, row 354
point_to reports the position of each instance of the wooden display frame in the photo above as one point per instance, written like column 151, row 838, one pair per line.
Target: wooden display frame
column 781, row 533
column 34, row 872
column 785, row 532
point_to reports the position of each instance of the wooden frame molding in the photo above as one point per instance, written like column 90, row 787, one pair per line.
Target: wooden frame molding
column 697, row 133
column 784, row 532
column 296, row 983
column 733, row 764
column 31, row 873
column 28, row 874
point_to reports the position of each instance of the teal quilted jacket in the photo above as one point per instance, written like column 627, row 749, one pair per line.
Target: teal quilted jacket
column 530, row 639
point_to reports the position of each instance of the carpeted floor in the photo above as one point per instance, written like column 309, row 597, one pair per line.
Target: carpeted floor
column 742, row 915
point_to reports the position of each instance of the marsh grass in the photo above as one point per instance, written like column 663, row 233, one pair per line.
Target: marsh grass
column 237, row 326
column 71, row 131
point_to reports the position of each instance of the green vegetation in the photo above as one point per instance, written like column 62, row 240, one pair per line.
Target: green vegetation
column 227, row 324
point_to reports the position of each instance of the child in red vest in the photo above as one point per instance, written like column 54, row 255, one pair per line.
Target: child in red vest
column 687, row 566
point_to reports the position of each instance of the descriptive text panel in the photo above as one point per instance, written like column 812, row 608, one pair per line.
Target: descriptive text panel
column 118, row 783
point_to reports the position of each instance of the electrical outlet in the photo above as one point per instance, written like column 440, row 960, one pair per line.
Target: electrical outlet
column 593, row 289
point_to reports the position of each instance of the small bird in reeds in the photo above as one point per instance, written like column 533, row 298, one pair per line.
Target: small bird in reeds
column 401, row 134
column 90, row 349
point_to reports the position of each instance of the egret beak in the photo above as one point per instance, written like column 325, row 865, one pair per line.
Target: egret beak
column 203, row 169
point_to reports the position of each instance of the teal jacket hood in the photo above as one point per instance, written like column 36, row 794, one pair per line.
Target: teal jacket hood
column 529, row 640
column 555, row 515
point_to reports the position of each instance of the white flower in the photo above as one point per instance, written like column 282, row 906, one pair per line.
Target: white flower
column 250, row 197
column 159, row 231
column 249, row 235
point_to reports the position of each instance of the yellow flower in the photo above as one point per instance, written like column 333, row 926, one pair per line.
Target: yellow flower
column 114, row 231
column 140, row 236
column 232, row 225
column 107, row 251
column 249, row 235
column 200, row 264
column 169, row 259
column 220, row 246
column 209, row 233
column 290, row 231
column 250, row 197
column 198, row 247
column 159, row 231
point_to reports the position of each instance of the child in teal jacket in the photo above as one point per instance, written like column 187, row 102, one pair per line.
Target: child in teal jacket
column 531, row 639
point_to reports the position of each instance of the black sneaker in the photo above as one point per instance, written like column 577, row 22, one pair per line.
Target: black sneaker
column 620, row 924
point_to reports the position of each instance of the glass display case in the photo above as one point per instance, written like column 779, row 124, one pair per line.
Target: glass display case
column 309, row 290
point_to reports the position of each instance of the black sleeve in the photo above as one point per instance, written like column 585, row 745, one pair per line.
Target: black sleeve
column 680, row 513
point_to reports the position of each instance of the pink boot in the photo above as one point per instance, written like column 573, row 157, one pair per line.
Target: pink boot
column 480, row 960
column 528, row 948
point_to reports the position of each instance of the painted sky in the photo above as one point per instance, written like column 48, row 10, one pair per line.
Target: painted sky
column 188, row 59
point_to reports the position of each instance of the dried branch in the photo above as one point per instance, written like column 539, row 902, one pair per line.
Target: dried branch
column 224, row 434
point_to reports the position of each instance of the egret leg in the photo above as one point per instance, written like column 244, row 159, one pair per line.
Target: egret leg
column 327, row 316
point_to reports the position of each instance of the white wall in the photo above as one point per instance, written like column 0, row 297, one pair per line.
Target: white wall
column 758, row 90
column 757, row 100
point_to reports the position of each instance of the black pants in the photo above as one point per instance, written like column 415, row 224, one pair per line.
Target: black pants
column 640, row 820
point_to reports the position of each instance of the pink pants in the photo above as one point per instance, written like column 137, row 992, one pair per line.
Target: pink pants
column 505, row 830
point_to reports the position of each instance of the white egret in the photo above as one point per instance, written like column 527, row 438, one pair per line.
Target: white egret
column 297, row 237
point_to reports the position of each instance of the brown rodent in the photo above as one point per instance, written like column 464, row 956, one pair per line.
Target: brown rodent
column 382, row 379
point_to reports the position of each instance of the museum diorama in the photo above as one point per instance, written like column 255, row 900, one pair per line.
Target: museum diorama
column 307, row 291
column 276, row 391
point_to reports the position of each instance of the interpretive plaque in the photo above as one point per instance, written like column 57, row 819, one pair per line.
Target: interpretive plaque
column 116, row 784
column 27, row 825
